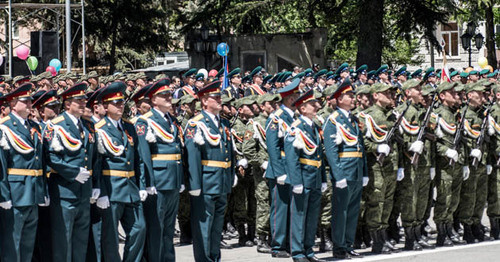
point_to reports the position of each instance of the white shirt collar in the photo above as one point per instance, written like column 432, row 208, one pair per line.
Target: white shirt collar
column 22, row 120
column 73, row 118
column 114, row 122
column 164, row 115
column 307, row 120
column 288, row 110
column 345, row 112
column 212, row 116
column 95, row 118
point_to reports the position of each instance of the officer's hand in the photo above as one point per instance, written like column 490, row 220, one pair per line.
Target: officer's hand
column 298, row 189
column 241, row 171
column 182, row 188
column 341, row 184
column 83, row 175
column 264, row 165
column 46, row 202
column 324, row 186
column 383, row 149
column 103, row 202
column 235, row 181
column 242, row 163
column 6, row 205
column 400, row 174
column 476, row 153
column 95, row 195
column 143, row 194
column 452, row 154
column 432, row 173
column 196, row 192
column 489, row 169
column 417, row 147
column 365, row 180
column 465, row 172
column 281, row 179
column 151, row 190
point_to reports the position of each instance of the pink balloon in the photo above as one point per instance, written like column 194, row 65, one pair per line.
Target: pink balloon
column 22, row 52
column 52, row 70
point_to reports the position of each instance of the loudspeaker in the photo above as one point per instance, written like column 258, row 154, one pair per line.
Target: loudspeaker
column 45, row 46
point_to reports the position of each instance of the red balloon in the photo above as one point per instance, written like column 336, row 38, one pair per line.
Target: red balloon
column 212, row 73
column 52, row 70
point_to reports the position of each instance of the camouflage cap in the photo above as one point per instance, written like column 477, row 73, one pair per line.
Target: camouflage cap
column 92, row 74
column 380, row 87
column 247, row 100
column 187, row 99
column 475, row 87
column 160, row 76
column 428, row 90
column 329, row 91
column 412, row 83
column 226, row 100
column 446, row 86
column 268, row 98
column 362, row 89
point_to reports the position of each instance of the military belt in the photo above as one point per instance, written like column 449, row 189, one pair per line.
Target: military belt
column 214, row 163
column 350, row 154
column 52, row 171
column 173, row 157
column 309, row 162
column 25, row 172
column 118, row 173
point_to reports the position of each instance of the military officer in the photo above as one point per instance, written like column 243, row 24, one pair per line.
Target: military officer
column 277, row 171
column 430, row 77
column 383, row 75
column 211, row 173
column 188, row 87
column 342, row 72
column 160, row 146
column 142, row 103
column 69, row 141
column 349, row 172
column 123, row 185
column 304, row 153
column 361, row 76
column 494, row 156
column 23, row 185
column 235, row 84
column 320, row 79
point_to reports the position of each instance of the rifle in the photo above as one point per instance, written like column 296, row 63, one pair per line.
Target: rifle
column 235, row 118
column 421, row 132
column 458, row 132
column 389, row 136
column 482, row 134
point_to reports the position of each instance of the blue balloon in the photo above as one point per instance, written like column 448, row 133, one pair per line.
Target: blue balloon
column 222, row 49
column 56, row 63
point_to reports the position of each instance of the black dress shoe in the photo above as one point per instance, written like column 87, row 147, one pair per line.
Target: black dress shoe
column 341, row 255
column 280, row 253
column 316, row 259
column 224, row 245
column 354, row 254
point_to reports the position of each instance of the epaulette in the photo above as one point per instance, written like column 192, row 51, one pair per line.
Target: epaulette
column 335, row 114
column 87, row 118
column 278, row 112
column 100, row 124
column 126, row 121
column 296, row 123
column 134, row 120
column 4, row 119
column 197, row 117
column 147, row 115
column 57, row 120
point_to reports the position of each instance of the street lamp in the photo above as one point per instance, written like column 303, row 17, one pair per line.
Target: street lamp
column 467, row 39
column 204, row 44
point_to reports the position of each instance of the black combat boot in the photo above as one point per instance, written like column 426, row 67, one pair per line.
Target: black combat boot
column 442, row 239
column 468, row 236
column 387, row 242
column 453, row 235
column 366, row 236
column 424, row 242
column 186, row 237
column 243, row 240
column 495, row 228
column 410, row 243
column 378, row 246
column 262, row 245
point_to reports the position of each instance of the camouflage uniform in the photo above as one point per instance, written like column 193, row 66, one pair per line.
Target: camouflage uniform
column 494, row 178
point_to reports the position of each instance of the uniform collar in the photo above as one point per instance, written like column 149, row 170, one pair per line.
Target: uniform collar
column 307, row 120
column 288, row 110
column 22, row 120
column 73, row 118
column 345, row 112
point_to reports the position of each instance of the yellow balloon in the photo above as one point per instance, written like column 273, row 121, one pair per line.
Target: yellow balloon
column 468, row 69
column 490, row 68
column 482, row 62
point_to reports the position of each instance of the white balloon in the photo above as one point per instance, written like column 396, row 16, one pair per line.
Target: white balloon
column 204, row 72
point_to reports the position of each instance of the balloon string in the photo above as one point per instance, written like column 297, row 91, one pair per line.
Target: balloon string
column 31, row 72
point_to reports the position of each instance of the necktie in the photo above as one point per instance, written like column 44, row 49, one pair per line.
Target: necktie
column 217, row 121
column 119, row 126
column 27, row 124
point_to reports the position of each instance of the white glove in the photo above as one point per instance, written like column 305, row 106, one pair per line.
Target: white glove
column 6, row 205
column 182, row 188
column 324, row 186
column 235, row 182
column 341, row 184
column 365, row 180
column 95, row 195
column 243, row 163
column 298, row 189
column 83, row 176
column 281, row 179
column 383, row 149
column 452, row 154
column 264, row 165
column 151, row 190
column 196, row 192
column 491, row 130
column 466, row 172
column 46, row 203
column 489, row 169
column 143, row 194
column 103, row 202
column 476, row 153
column 417, row 147
column 400, row 174
column 433, row 173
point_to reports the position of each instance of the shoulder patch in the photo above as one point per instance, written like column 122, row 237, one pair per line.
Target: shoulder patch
column 100, row 124
column 57, row 119
column 147, row 115
column 296, row 123
column 3, row 120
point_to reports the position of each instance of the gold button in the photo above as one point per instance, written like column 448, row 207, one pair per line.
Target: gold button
column 128, row 162
column 227, row 159
column 36, row 158
column 86, row 159
column 85, row 167
column 126, row 148
column 226, row 151
column 85, row 150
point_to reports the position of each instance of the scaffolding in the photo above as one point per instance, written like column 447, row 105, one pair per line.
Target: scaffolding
column 62, row 10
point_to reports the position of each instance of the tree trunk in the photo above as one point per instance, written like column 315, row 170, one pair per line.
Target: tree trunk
column 490, row 36
column 112, row 56
column 370, row 33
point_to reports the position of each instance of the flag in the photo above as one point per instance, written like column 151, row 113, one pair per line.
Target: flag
column 445, row 74
column 225, row 80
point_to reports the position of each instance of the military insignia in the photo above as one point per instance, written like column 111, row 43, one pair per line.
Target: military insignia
column 49, row 134
column 190, row 133
column 140, row 129
column 248, row 135
column 273, row 126
column 34, row 132
column 91, row 138
column 129, row 137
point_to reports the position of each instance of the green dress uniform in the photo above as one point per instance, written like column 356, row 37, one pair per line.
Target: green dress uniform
column 23, row 181
column 280, row 193
column 161, row 149
column 304, row 153
column 211, row 176
column 345, row 153
column 119, row 166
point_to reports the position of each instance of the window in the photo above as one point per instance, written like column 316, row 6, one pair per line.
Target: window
column 252, row 59
column 15, row 31
column 449, row 33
